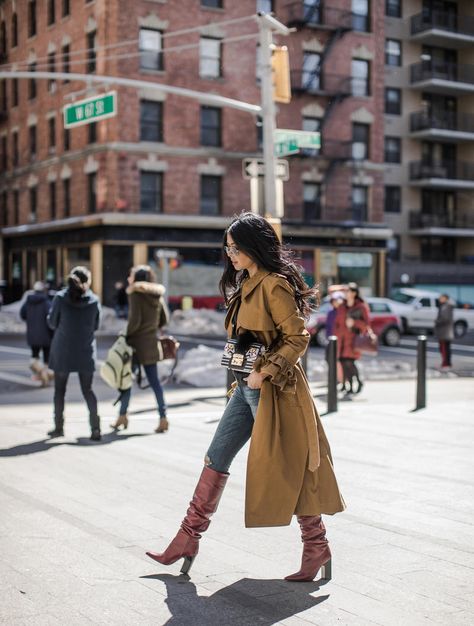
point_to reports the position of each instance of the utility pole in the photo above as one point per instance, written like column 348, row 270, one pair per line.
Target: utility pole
column 268, row 25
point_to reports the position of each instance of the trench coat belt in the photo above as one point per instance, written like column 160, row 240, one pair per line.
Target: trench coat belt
column 314, row 456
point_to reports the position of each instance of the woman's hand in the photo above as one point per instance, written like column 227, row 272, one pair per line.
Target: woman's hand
column 349, row 322
column 255, row 379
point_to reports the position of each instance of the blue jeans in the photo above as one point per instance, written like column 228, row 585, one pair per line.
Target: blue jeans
column 151, row 372
column 234, row 429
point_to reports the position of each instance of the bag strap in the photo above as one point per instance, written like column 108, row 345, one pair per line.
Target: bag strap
column 235, row 315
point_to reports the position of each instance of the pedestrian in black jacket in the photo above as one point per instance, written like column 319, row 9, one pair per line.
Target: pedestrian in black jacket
column 74, row 316
column 35, row 311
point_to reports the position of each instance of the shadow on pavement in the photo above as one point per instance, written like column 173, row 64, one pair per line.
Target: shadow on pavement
column 247, row 602
column 48, row 444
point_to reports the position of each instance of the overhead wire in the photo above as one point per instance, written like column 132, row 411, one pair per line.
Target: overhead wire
column 86, row 51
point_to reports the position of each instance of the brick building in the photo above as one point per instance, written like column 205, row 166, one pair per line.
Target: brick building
column 166, row 172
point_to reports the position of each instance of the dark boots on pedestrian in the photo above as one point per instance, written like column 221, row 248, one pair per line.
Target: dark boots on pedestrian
column 58, row 430
column 203, row 504
column 316, row 552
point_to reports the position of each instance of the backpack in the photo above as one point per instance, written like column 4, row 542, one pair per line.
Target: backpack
column 116, row 370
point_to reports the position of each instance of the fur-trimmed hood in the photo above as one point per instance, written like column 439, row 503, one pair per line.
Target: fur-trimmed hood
column 150, row 289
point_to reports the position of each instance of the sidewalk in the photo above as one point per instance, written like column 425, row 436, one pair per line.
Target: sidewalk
column 76, row 518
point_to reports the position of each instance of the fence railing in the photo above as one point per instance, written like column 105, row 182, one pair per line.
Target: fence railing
column 442, row 20
column 442, row 120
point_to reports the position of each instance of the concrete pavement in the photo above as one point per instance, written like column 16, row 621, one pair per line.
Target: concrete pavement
column 76, row 517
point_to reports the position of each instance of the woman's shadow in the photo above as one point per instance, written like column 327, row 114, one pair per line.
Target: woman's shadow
column 246, row 602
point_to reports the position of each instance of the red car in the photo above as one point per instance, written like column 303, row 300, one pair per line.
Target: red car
column 385, row 324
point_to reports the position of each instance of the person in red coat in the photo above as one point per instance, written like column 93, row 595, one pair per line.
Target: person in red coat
column 352, row 319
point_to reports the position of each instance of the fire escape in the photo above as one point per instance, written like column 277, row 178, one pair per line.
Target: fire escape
column 317, row 81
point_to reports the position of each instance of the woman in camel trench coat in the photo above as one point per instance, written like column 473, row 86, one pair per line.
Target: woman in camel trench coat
column 289, row 467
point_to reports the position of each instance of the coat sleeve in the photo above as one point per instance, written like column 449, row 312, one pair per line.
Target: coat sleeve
column 164, row 314
column 98, row 316
column 134, row 316
column 54, row 313
column 279, row 365
column 23, row 311
column 363, row 324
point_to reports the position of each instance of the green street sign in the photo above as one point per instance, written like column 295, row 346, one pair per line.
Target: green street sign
column 90, row 110
column 283, row 148
column 300, row 138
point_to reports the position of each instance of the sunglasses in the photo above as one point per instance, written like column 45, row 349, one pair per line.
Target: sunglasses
column 231, row 250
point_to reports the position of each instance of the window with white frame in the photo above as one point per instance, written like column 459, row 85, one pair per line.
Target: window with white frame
column 210, row 63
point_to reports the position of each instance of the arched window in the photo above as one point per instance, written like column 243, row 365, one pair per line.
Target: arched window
column 14, row 30
column 3, row 41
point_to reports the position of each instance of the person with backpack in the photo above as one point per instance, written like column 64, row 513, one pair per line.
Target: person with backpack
column 34, row 312
column 74, row 317
column 147, row 313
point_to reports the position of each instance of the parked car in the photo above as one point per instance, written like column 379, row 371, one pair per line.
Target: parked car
column 418, row 310
column 383, row 320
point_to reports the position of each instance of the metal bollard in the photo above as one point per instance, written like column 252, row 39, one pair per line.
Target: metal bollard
column 421, row 372
column 332, row 374
column 229, row 380
column 304, row 361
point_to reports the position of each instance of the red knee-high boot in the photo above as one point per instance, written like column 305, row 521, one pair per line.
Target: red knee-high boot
column 203, row 504
column 316, row 552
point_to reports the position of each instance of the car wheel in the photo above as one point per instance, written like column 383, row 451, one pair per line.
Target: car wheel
column 460, row 329
column 320, row 337
column 391, row 337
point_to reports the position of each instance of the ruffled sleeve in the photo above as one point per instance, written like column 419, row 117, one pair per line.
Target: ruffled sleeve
column 279, row 364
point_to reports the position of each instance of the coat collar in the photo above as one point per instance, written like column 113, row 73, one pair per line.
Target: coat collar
column 253, row 281
column 153, row 289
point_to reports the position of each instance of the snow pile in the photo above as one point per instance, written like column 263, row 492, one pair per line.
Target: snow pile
column 200, row 367
column 200, row 322
column 10, row 321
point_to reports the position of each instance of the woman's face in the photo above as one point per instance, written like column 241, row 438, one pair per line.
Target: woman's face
column 239, row 259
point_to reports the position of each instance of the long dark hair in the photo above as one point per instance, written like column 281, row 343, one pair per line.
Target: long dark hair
column 77, row 282
column 255, row 236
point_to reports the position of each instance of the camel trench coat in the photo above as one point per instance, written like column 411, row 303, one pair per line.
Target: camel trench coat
column 289, row 467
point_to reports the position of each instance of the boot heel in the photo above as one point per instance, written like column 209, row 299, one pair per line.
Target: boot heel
column 187, row 564
column 326, row 571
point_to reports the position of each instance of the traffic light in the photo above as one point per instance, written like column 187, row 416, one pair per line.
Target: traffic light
column 281, row 74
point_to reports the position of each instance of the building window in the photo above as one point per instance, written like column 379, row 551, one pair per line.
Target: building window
column 31, row 18
column 52, row 200
column 360, row 15
column 51, row 11
column 310, row 79
column 16, row 206
column 67, row 196
column 393, row 101
column 33, row 203
column 392, row 150
column 151, row 121
column 210, row 126
column 32, row 140
column 14, row 30
column 92, row 192
column 3, row 96
column 151, row 192
column 15, row 149
column 91, row 42
column 438, row 249
column 359, row 203
column 52, row 133
column 51, row 68
column 393, row 8
column 210, row 65
column 92, row 132
column 4, row 154
column 214, row 4
column 393, row 197
column 15, row 93
column 265, row 6
column 393, row 52
column 312, row 125
column 360, row 141
column 66, row 54
column 66, row 139
column 32, row 91
column 66, row 10
column 394, row 248
column 151, row 49
column 360, row 77
column 311, row 202
column 210, row 203
column 3, row 41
